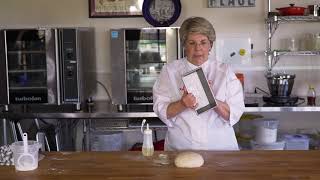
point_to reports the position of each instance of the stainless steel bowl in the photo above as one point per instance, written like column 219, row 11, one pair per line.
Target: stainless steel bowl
column 280, row 84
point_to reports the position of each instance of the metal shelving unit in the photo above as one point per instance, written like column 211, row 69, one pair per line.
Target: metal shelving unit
column 273, row 22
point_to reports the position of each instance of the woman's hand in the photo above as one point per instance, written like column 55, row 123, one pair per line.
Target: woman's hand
column 189, row 100
column 222, row 109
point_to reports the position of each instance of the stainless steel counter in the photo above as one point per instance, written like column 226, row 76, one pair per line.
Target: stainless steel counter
column 108, row 114
column 261, row 106
column 284, row 109
column 105, row 110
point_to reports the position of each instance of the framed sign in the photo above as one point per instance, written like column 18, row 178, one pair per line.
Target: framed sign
column 231, row 3
column 115, row 8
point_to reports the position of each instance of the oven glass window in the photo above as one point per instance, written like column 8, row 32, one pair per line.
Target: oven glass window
column 145, row 57
column 27, row 66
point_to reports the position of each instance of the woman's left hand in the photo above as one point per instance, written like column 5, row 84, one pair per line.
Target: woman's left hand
column 222, row 109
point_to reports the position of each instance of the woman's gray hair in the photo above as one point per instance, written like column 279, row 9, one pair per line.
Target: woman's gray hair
column 197, row 25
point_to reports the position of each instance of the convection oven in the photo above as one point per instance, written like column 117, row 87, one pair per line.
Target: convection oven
column 138, row 56
column 44, row 65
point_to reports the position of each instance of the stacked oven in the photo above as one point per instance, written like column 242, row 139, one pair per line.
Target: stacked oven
column 137, row 57
column 44, row 65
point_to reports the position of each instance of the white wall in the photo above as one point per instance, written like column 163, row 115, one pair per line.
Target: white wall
column 34, row 13
column 30, row 13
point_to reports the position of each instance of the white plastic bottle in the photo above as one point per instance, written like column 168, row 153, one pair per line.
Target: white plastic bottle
column 147, row 146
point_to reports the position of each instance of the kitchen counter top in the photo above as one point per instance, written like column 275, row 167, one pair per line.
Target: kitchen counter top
column 240, row 165
column 105, row 110
column 261, row 106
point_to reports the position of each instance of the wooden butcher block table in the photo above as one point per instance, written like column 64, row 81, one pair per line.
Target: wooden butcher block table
column 220, row 165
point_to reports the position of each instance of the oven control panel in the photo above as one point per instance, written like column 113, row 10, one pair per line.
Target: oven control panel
column 70, row 64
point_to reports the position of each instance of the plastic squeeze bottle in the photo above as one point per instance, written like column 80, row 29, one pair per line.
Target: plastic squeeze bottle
column 147, row 146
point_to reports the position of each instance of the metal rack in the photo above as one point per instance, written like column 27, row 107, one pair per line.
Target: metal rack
column 273, row 22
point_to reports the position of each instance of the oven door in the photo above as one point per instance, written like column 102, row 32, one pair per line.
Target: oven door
column 138, row 56
column 29, row 66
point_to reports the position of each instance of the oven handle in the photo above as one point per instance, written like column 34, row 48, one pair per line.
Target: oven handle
column 6, row 61
column 57, row 59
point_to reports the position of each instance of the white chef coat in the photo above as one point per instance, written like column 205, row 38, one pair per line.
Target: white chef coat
column 208, row 130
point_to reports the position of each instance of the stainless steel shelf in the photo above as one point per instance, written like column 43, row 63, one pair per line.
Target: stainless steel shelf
column 273, row 23
column 275, row 54
column 297, row 53
column 288, row 19
column 130, row 115
column 108, row 112
column 284, row 109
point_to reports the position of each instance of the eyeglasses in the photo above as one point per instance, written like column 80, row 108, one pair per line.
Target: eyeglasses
column 201, row 44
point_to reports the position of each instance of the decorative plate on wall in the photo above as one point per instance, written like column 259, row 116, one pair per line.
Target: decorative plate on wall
column 161, row 13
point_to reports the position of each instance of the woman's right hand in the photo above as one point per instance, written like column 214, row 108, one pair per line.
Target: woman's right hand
column 188, row 100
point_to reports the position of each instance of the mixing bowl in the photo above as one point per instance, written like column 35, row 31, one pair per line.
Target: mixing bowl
column 280, row 84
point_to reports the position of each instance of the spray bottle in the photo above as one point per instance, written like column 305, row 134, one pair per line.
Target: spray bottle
column 147, row 146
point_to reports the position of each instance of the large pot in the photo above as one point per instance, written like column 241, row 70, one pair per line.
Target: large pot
column 280, row 85
column 291, row 11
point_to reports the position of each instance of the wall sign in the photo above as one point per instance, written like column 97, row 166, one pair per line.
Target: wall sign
column 115, row 8
column 231, row 3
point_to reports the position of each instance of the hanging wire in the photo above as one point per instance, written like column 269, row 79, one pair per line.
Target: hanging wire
column 104, row 87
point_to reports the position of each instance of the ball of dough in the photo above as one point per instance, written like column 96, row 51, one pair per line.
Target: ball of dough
column 188, row 160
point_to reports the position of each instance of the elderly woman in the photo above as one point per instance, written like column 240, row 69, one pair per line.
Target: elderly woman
column 213, row 129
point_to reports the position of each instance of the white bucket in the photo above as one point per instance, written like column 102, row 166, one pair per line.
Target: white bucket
column 266, row 131
column 25, row 161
